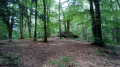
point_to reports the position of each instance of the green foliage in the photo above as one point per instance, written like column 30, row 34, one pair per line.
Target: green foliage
column 100, row 50
column 61, row 65
column 66, row 59
column 61, row 62
column 3, row 31
column 112, row 49
column 10, row 59
column 29, row 38
column 77, row 11
column 108, row 41
column 35, row 39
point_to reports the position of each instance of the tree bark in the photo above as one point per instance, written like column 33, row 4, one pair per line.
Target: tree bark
column 10, row 29
column 64, row 23
column 29, row 20
column 59, row 22
column 6, row 16
column 93, row 19
column 48, row 21
column 117, row 34
column 29, row 26
column 45, row 30
column 35, row 31
column 10, row 34
column 21, row 21
column 98, row 23
column 68, row 23
column 65, row 26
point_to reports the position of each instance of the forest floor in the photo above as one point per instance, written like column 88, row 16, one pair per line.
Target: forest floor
column 38, row 54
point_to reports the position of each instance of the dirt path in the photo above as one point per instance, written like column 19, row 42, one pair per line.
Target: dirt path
column 37, row 54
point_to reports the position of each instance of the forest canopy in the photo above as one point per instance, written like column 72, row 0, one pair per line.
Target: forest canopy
column 90, row 20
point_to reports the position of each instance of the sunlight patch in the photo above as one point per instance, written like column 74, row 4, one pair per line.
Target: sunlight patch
column 53, row 44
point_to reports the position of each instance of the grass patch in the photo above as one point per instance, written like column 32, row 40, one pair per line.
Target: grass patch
column 35, row 39
column 9, row 60
column 29, row 39
column 62, row 62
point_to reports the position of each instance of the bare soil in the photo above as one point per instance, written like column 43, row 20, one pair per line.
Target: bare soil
column 38, row 54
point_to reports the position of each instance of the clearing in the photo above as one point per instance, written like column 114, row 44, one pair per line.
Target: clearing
column 38, row 54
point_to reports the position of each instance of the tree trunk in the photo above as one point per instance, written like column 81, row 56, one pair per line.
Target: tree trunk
column 48, row 21
column 59, row 22
column 25, row 30
column 29, row 26
column 64, row 23
column 9, row 35
column 117, row 34
column 29, row 20
column 21, row 21
column 45, row 30
column 68, row 23
column 35, row 31
column 98, row 24
column 65, row 26
column 93, row 19
column 10, row 29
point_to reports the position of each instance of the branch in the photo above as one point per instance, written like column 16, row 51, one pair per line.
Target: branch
column 118, row 3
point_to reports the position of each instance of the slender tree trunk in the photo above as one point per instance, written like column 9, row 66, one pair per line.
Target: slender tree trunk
column 29, row 27
column 65, row 23
column 93, row 19
column 116, row 30
column 21, row 21
column 48, row 21
column 29, row 24
column 10, row 29
column 65, row 26
column 10, row 34
column 68, row 23
column 59, row 22
column 35, row 31
column 28, row 20
column 45, row 30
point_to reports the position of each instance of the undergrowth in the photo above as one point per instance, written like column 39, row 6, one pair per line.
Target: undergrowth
column 63, row 62
column 9, row 60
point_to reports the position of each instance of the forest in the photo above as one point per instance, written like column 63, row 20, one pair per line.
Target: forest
column 59, row 33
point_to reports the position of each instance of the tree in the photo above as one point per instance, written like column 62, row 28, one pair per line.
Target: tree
column 59, row 22
column 35, row 31
column 7, row 14
column 48, row 18
column 92, row 18
column 68, row 27
column 45, row 30
column 21, row 19
column 30, row 19
column 96, row 22
column 64, row 22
